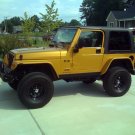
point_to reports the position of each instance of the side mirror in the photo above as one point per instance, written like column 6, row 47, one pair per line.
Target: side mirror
column 81, row 42
column 76, row 49
column 78, row 46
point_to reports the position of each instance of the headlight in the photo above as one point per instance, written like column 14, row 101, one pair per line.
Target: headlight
column 10, row 58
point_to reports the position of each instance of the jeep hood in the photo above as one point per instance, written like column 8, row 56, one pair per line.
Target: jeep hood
column 34, row 50
column 37, row 53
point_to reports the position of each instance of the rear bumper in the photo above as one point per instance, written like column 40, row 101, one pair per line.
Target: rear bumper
column 5, row 73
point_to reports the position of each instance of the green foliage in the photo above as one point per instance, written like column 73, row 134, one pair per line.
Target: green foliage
column 36, row 20
column 10, row 23
column 130, row 3
column 74, row 22
column 15, row 21
column 28, row 24
column 50, row 19
column 9, row 42
column 95, row 12
column 32, row 34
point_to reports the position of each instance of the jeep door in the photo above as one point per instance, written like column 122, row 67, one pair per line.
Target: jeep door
column 88, row 53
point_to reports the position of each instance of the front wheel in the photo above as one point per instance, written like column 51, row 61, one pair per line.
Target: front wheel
column 117, row 81
column 35, row 90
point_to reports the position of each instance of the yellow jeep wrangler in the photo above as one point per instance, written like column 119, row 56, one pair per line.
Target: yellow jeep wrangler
column 75, row 54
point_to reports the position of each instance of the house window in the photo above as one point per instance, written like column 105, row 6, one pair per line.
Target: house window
column 122, row 24
column 111, row 24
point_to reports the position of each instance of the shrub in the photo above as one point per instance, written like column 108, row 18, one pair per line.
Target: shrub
column 9, row 42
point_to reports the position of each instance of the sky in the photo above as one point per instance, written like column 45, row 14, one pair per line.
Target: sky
column 67, row 9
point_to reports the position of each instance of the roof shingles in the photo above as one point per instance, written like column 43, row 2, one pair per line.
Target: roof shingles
column 129, row 13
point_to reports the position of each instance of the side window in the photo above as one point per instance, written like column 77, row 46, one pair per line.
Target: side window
column 119, row 41
column 91, row 39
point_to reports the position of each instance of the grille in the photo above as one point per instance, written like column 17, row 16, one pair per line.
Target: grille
column 10, row 58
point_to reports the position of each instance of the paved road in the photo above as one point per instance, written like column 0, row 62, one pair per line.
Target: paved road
column 76, row 109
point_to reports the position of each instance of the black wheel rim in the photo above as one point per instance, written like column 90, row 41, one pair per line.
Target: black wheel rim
column 36, row 91
column 119, row 84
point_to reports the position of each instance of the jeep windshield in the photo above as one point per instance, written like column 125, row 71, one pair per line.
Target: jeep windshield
column 63, row 37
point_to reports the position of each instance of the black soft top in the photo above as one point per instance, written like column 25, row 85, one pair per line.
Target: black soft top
column 99, row 28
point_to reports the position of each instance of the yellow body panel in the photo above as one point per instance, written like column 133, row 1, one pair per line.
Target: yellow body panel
column 85, row 61
column 44, row 57
column 108, row 58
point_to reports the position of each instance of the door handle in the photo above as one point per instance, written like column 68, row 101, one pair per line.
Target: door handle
column 98, row 50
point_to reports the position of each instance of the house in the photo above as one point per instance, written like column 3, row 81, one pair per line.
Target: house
column 124, row 19
column 17, row 29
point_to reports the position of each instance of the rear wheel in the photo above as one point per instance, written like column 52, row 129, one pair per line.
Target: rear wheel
column 117, row 81
column 35, row 90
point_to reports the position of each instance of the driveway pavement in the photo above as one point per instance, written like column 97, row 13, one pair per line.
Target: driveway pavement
column 75, row 109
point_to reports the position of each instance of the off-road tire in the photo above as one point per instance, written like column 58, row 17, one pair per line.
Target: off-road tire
column 117, row 81
column 35, row 90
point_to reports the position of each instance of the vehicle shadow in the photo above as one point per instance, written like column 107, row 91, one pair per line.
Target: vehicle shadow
column 9, row 99
column 65, row 89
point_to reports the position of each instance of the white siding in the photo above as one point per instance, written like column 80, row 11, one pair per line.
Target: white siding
column 111, row 20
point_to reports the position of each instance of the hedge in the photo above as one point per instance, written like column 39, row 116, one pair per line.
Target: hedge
column 9, row 42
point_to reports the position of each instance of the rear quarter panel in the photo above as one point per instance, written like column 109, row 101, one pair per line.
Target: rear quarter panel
column 109, row 58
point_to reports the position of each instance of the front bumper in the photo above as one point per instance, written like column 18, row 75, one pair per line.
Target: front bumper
column 5, row 73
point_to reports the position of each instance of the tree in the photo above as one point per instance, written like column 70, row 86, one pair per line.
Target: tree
column 28, row 23
column 50, row 19
column 7, row 24
column 74, row 22
column 87, row 9
column 35, row 18
column 130, row 3
column 95, row 12
column 15, row 21
column 65, row 24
